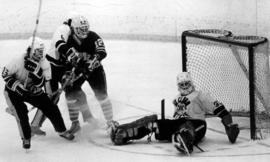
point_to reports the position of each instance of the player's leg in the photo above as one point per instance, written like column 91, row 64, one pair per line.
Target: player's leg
column 20, row 113
column 39, row 118
column 83, row 105
column 52, row 112
column 188, row 135
column 73, row 104
column 76, row 102
column 37, row 122
column 97, row 81
column 231, row 128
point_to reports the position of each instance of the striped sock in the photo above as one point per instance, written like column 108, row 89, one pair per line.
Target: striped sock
column 106, row 107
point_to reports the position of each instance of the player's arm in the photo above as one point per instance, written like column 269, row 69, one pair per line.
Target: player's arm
column 60, row 38
column 12, row 83
column 35, row 72
column 47, row 74
column 100, row 53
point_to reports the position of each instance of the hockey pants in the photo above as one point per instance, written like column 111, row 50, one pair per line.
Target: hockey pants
column 42, row 102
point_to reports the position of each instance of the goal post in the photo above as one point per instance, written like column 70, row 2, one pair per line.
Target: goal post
column 234, row 69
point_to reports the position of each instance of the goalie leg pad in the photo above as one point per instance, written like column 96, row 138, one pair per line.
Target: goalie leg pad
column 134, row 130
column 200, row 127
column 166, row 127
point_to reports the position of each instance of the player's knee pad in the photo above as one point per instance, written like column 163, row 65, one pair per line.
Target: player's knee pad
column 134, row 130
column 100, row 94
column 77, row 97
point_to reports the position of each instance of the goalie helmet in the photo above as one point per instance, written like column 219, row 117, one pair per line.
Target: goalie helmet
column 38, row 48
column 185, row 83
column 80, row 26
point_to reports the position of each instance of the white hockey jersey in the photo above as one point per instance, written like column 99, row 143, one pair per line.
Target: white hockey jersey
column 61, row 33
column 200, row 104
column 16, row 69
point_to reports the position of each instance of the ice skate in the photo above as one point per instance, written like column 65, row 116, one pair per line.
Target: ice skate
column 183, row 141
column 232, row 132
column 26, row 143
column 67, row 135
column 35, row 130
column 75, row 127
column 111, row 126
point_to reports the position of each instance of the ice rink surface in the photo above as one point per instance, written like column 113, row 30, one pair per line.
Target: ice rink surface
column 139, row 75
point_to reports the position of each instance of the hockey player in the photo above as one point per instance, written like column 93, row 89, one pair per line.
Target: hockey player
column 188, row 126
column 25, row 78
column 74, row 45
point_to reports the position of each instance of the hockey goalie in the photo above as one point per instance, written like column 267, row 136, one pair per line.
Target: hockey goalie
column 188, row 125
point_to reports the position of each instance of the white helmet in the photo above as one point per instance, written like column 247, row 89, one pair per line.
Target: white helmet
column 38, row 48
column 80, row 26
column 184, row 83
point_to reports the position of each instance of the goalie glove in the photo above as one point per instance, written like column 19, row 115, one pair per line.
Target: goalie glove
column 93, row 64
column 180, row 104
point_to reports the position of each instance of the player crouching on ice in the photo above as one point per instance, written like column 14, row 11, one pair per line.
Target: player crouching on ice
column 188, row 125
column 24, row 79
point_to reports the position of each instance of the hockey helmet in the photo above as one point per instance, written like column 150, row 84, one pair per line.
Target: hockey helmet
column 185, row 83
column 80, row 26
column 38, row 48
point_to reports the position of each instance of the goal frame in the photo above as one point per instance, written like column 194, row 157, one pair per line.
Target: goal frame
column 251, row 75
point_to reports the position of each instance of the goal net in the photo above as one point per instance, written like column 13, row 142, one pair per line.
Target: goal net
column 234, row 69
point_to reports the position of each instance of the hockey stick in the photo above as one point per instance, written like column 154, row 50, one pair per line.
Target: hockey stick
column 67, row 82
column 64, row 85
column 33, row 38
column 245, row 70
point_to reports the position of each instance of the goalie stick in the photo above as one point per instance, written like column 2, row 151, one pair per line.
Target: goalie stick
column 34, row 36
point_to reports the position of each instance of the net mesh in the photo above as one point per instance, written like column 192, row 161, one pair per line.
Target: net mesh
column 223, row 70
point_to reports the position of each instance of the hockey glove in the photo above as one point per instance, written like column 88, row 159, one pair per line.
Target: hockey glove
column 15, row 86
column 93, row 64
column 67, row 78
column 33, row 67
column 72, row 56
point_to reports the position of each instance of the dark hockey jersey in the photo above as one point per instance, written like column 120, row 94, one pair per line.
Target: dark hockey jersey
column 90, row 46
